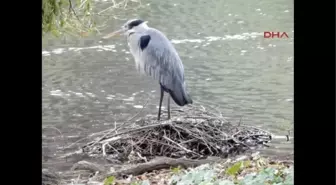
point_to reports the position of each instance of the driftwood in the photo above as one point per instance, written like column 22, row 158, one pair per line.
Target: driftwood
column 158, row 164
column 84, row 165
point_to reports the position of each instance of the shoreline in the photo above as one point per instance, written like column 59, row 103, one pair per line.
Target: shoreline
column 241, row 169
column 146, row 148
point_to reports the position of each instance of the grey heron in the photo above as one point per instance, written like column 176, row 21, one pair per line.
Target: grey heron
column 156, row 57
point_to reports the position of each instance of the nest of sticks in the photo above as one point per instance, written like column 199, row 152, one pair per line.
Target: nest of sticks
column 193, row 132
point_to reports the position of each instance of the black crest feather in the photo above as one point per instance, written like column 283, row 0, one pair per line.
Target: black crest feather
column 134, row 23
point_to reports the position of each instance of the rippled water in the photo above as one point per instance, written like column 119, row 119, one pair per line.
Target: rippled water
column 88, row 85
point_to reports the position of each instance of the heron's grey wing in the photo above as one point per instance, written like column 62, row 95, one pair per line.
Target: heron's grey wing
column 160, row 60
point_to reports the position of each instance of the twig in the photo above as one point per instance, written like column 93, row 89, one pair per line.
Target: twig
column 81, row 5
column 141, row 157
column 143, row 128
column 258, row 129
column 115, row 126
column 189, row 151
column 100, row 139
column 240, row 121
column 114, row 149
column 91, row 135
column 78, row 178
column 64, row 141
column 113, row 6
column 165, row 144
column 126, row 1
column 71, row 9
column 138, row 112
column 103, row 148
column 110, row 139
column 74, row 143
column 51, row 127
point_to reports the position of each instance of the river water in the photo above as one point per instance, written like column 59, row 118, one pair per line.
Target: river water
column 88, row 85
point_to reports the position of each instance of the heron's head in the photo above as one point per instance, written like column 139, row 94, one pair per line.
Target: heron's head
column 131, row 26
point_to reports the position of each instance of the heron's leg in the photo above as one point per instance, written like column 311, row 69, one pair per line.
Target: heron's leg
column 168, row 107
column 161, row 98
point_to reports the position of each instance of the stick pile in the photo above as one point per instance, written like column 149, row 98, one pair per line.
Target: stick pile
column 193, row 132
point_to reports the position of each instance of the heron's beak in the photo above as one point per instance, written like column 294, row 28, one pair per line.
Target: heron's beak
column 116, row 33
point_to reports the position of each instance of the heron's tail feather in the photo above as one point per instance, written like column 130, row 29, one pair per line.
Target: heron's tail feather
column 188, row 99
column 180, row 95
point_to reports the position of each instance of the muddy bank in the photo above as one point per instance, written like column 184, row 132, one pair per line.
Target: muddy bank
column 243, row 168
